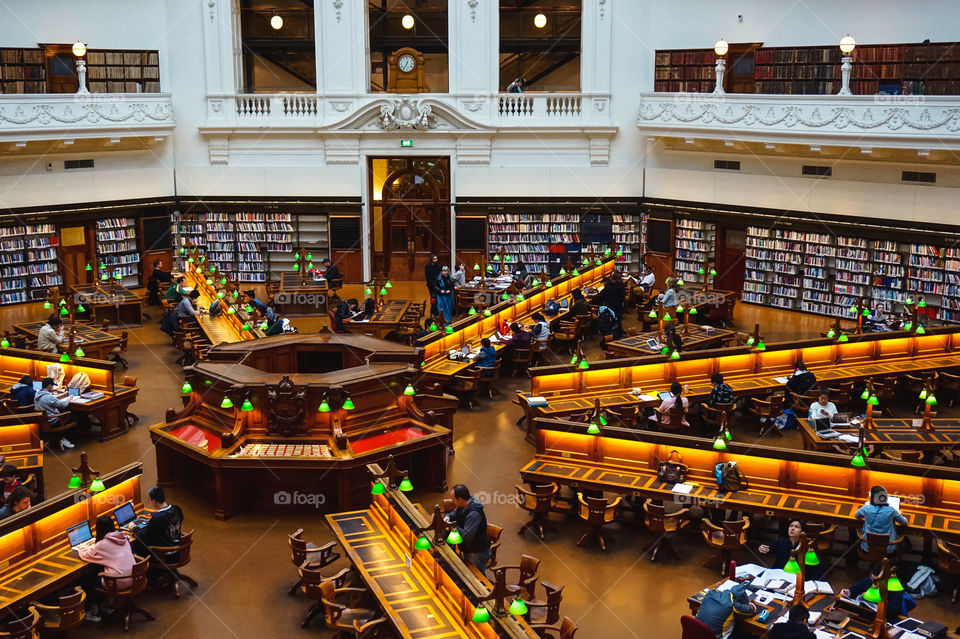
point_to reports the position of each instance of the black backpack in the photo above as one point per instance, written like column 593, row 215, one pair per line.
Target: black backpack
column 729, row 477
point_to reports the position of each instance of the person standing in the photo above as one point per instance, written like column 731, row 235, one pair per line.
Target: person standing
column 431, row 272
column 516, row 86
column 471, row 523
column 50, row 335
column 444, row 287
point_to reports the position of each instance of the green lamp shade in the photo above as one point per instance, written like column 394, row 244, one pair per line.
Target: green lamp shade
column 207, row 382
column 792, row 567
column 263, row 326
column 921, row 304
column 64, row 358
column 189, row 260
column 97, row 486
column 226, row 403
column 406, row 485
column 599, row 262
column 79, row 352
column 296, row 267
column 409, row 390
column 679, row 308
column 519, row 297
column 667, row 318
column 47, row 305
column 63, row 302
column 231, row 311
column 858, row 461
column 324, row 407
column 383, row 290
column 726, row 433
column 811, row 559
column 388, row 284
column 652, row 314
column 5, row 343
column 309, row 256
column 423, row 543
column 486, row 312
column 619, row 252
column 182, row 250
column 246, row 406
column 585, row 260
column 489, row 267
column 454, row 537
column 348, row 405
column 873, row 401
column 310, row 266
column 831, row 334
column 563, row 272
column 921, row 330
column 220, row 295
column 367, row 291
column 64, row 311
column 750, row 341
column 202, row 259
column 843, row 338
column 907, row 326
column 378, row 488
column 74, row 482
column 236, row 294
column 701, row 271
column 504, row 297
column 593, row 428
column 872, row 595
column 931, row 400
column 448, row 329
column 606, row 252
column 866, row 312
column 88, row 268
column 583, row 364
column 518, row 608
column 223, row 280
column 719, row 444
column 713, row 272
column 186, row 388
column 573, row 360
column 433, row 326
column 909, row 301
column 865, row 394
column 680, row 281
column 245, row 326
column 761, row 346
column 894, row 585
column 576, row 272
column 536, row 281
column 693, row 310
column 248, row 308
column 675, row 355
column 923, row 394
column 480, row 614
column 472, row 311
column 853, row 309
column 549, row 284
column 209, row 282
column 213, row 268
column 476, row 266
column 296, row 256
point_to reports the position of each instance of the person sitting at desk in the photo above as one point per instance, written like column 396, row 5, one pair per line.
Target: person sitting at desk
column 676, row 399
column 460, row 275
column 18, row 501
column 185, row 309
column 879, row 517
column 647, row 280
column 721, row 393
column 49, row 404
column 795, row 627
column 175, row 291
column 369, row 307
column 717, row 608
column 330, row 270
column 22, row 392
column 345, row 310
column 541, row 330
column 50, row 335
column 113, row 553
column 783, row 546
column 579, row 306
column 672, row 339
column 471, row 522
column 487, row 357
column 519, row 338
column 798, row 385
column 8, row 481
column 898, row 602
column 823, row 408
column 254, row 301
column 163, row 527
column 669, row 297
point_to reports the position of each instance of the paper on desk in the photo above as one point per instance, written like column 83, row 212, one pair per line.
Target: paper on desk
column 852, row 439
column 749, row 569
column 780, row 380
column 823, row 634
column 79, row 400
column 683, row 489
column 727, row 585
column 817, row 586
column 646, row 398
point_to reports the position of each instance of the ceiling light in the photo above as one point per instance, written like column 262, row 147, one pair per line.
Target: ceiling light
column 276, row 22
column 407, row 21
column 540, row 21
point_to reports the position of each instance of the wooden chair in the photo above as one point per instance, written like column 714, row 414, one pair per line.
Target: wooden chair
column 334, row 285
column 520, row 359
column 670, row 420
column 948, row 561
column 24, row 628
column 375, row 629
column 304, row 551
column 493, row 534
column 713, row 415
column 664, row 526
column 526, row 573
column 486, row 381
column 566, row 629
column 732, row 535
column 311, row 580
column 121, row 597
column 538, row 502
column 693, row 628
column 948, row 387
column 67, row 614
column 909, row 456
column 539, row 349
column 339, row 616
column 545, row 611
column 130, row 382
column 822, row 535
column 565, row 337
column 877, row 544
column 597, row 512
column 116, row 355
column 465, row 385
column 801, row 403
column 768, row 409
column 171, row 558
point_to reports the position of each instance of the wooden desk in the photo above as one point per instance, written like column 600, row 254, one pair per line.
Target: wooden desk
column 816, row 486
column 112, row 302
column 226, row 327
column 383, row 321
column 110, row 410
column 889, row 434
column 695, row 338
column 702, row 300
column 301, row 297
column 96, row 343
column 20, row 445
column 35, row 555
column 429, row 598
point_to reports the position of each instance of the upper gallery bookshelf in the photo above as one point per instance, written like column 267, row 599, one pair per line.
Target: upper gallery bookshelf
column 23, row 70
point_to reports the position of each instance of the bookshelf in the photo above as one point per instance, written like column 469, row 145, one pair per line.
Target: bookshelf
column 950, row 296
column 889, row 274
column 28, row 263
column 540, row 240
column 123, row 71
column 221, row 241
column 690, row 71
column 630, row 236
column 695, row 242
column 22, row 71
column 817, row 291
column 116, row 247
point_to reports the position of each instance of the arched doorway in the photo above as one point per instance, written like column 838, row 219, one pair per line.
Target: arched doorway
column 410, row 214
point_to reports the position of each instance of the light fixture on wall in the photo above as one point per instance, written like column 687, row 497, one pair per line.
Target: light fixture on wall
column 540, row 21
column 407, row 21
column 847, row 45
column 79, row 50
column 276, row 22
column 720, row 48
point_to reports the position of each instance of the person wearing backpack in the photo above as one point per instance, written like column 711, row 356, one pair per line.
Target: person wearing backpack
column 717, row 609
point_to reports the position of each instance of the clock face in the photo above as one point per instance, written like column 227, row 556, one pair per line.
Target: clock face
column 406, row 63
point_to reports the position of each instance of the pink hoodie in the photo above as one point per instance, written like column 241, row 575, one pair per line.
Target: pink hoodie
column 113, row 552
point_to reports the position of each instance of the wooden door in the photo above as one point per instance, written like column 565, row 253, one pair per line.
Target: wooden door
column 414, row 233
column 76, row 251
column 731, row 248
column 739, row 77
column 61, row 68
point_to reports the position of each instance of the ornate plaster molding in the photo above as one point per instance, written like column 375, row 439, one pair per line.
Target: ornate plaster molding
column 407, row 114
column 108, row 111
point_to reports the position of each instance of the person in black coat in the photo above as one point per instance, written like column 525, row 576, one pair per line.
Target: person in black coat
column 795, row 627
column 431, row 273
column 330, row 270
column 158, row 278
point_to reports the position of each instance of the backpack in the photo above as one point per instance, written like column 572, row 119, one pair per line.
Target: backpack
column 215, row 309
column 923, row 583
column 729, row 477
column 79, row 381
column 552, row 307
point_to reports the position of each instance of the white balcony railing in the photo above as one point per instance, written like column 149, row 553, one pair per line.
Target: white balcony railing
column 910, row 121
column 57, row 115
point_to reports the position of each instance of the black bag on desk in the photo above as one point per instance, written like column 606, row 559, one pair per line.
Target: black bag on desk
column 672, row 472
column 931, row 629
column 729, row 477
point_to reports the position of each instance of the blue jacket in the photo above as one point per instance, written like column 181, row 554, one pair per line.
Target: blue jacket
column 49, row 404
column 487, row 357
column 880, row 520
column 472, row 524
column 23, row 393
column 716, row 609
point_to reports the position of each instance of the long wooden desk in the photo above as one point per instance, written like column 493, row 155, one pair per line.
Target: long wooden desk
column 817, row 486
column 226, row 327
column 890, row 434
column 298, row 296
column 109, row 301
column 110, row 410
column 20, row 445
column 383, row 321
column 35, row 556
column 701, row 300
column 96, row 343
column 431, row 596
column 696, row 338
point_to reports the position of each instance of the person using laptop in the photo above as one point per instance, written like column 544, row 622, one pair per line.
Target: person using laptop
column 487, row 357
column 51, row 405
column 880, row 517
column 580, row 306
column 541, row 330
column 163, row 528
column 822, row 410
column 18, row 502
column 113, row 554
column 23, row 391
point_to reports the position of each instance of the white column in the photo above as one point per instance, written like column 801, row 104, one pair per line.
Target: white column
column 220, row 46
column 473, row 40
column 341, row 46
column 595, row 46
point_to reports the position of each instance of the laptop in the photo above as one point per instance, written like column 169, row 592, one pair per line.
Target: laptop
column 653, row 344
column 80, row 536
column 73, row 392
column 664, row 395
column 37, row 386
column 564, row 303
column 822, row 426
column 127, row 518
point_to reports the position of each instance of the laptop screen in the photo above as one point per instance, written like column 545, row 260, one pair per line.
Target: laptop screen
column 73, row 392
column 125, row 514
column 37, row 386
column 79, row 534
column 664, row 395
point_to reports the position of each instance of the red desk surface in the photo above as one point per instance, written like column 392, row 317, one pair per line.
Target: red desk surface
column 388, row 438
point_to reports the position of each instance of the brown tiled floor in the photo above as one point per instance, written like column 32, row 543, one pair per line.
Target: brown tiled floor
column 243, row 564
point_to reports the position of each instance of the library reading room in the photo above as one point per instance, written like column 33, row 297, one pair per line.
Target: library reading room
column 476, row 319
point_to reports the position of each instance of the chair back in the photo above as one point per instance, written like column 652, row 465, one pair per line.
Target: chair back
column 135, row 582
column 529, row 565
column 734, row 534
column 877, row 544
column 693, row 628
column 674, row 416
column 67, row 613
column 713, row 415
column 331, row 609
column 948, row 557
column 494, row 372
column 521, row 355
column 468, row 379
column 298, row 548
column 311, row 580
column 123, row 341
column 821, row 535
column 25, row 628
column 332, row 316
column 654, row 515
column 493, row 534
column 551, row 605
column 129, row 381
column 335, row 283
column 597, row 510
column 175, row 556
column 568, row 628
column 540, row 500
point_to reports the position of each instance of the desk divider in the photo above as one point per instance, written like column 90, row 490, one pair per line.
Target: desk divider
column 17, row 362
